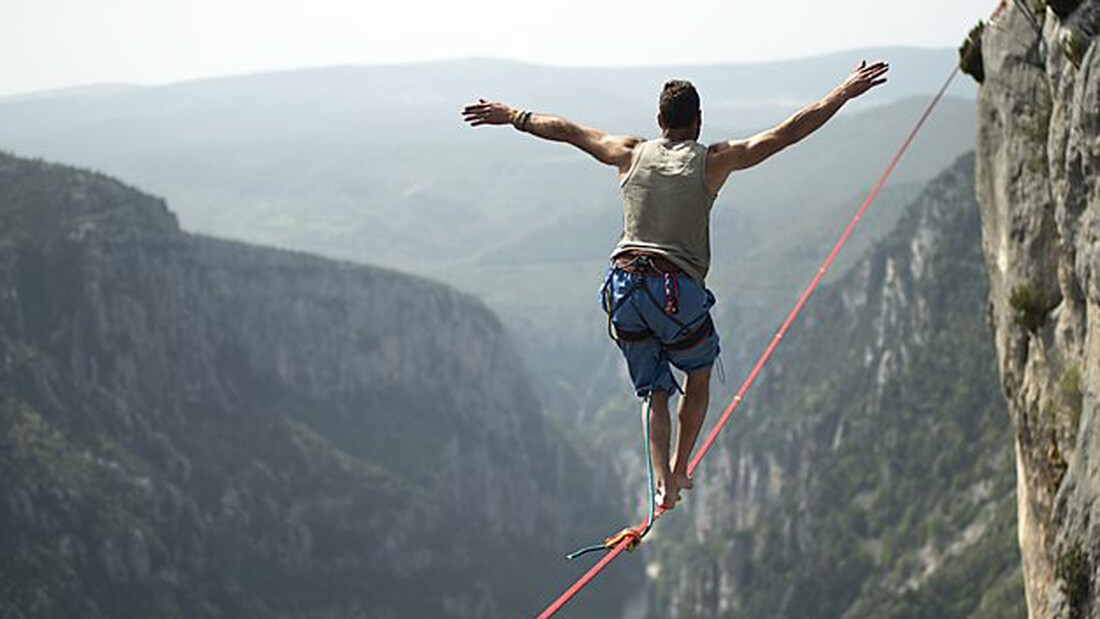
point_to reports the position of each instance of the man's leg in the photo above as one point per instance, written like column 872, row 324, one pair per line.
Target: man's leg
column 689, row 421
column 660, row 431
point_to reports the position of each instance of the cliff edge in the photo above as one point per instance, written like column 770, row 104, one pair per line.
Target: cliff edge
column 1038, row 159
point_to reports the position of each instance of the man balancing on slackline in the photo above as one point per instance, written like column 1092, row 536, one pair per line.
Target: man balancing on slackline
column 655, row 294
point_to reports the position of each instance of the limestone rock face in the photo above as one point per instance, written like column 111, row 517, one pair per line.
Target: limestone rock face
column 1038, row 183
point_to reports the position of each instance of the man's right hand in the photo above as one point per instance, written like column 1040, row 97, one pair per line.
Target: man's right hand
column 487, row 113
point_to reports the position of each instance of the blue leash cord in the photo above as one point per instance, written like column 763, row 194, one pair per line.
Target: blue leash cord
column 652, row 488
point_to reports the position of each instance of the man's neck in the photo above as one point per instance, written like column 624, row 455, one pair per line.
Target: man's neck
column 680, row 135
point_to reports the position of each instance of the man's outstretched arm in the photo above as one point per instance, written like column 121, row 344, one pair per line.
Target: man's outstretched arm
column 725, row 157
column 615, row 150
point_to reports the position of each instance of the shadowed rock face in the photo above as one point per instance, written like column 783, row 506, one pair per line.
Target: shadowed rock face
column 1038, row 165
column 191, row 427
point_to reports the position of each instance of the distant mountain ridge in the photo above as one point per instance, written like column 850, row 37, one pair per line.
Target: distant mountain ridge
column 373, row 164
column 305, row 159
column 433, row 82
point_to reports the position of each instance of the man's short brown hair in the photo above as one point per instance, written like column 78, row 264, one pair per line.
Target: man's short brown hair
column 679, row 106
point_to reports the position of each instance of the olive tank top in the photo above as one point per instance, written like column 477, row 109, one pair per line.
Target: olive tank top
column 666, row 205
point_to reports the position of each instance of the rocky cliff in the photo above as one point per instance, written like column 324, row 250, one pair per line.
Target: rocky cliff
column 871, row 473
column 197, row 428
column 1037, row 179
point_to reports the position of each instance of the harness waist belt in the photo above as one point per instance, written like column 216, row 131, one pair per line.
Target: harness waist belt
column 642, row 263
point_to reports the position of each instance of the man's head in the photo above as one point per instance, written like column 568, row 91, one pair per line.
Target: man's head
column 679, row 106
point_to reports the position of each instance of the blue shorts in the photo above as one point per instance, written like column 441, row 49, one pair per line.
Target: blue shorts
column 638, row 304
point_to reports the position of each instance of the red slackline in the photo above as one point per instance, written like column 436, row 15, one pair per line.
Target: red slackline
column 763, row 360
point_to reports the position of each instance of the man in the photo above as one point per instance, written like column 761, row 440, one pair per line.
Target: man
column 655, row 294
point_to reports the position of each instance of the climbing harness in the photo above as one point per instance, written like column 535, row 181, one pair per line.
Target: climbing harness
column 644, row 265
column 672, row 294
column 624, row 540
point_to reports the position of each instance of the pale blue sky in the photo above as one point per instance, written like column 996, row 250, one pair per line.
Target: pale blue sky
column 58, row 43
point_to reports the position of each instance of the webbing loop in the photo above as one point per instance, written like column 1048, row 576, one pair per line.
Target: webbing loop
column 632, row 537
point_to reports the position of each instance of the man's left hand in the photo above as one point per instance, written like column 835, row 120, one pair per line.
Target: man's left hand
column 864, row 78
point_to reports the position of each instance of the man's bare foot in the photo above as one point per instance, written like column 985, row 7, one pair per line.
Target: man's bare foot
column 683, row 482
column 667, row 494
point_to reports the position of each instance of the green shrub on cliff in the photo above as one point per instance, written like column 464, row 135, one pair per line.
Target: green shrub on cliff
column 1029, row 307
column 970, row 54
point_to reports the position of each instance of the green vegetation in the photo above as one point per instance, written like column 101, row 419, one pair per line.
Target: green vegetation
column 1069, row 387
column 1030, row 307
column 197, row 428
column 1075, row 45
column 1033, row 121
column 1074, row 570
column 970, row 53
column 533, row 246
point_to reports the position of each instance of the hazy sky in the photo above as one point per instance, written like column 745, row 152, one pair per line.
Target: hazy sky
column 57, row 43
